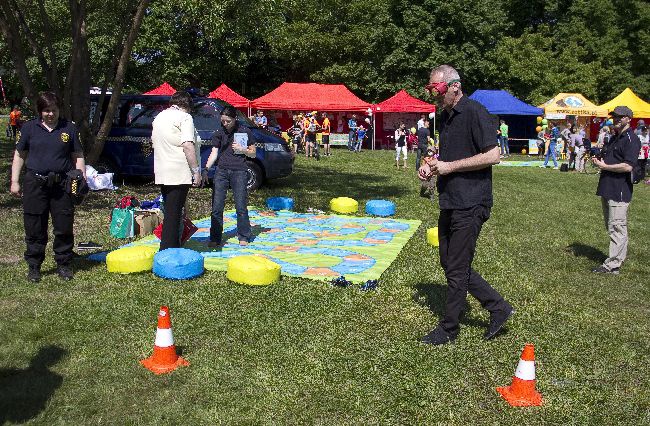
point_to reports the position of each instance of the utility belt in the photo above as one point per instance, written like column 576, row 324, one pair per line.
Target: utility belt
column 49, row 179
column 72, row 182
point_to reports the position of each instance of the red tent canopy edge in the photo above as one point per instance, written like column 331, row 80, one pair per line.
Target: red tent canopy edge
column 311, row 96
column 163, row 89
column 403, row 102
column 225, row 93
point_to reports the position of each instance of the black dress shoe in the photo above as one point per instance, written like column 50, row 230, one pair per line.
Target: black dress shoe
column 497, row 320
column 65, row 272
column 603, row 270
column 34, row 273
column 438, row 336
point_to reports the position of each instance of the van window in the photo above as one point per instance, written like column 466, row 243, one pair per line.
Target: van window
column 206, row 117
column 141, row 115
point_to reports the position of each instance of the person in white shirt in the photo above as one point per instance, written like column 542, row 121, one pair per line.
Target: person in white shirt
column 176, row 167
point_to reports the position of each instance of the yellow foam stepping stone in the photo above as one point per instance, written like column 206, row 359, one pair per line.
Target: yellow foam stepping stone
column 344, row 205
column 127, row 260
column 432, row 236
column 253, row 270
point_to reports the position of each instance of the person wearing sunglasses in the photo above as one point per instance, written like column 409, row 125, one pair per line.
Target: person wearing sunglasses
column 616, row 161
column 467, row 151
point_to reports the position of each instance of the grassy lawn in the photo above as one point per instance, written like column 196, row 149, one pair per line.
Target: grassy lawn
column 301, row 351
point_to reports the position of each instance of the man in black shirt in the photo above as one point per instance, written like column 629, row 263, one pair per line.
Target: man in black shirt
column 616, row 162
column 467, row 151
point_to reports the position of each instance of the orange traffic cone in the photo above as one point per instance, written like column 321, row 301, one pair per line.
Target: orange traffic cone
column 164, row 358
column 522, row 393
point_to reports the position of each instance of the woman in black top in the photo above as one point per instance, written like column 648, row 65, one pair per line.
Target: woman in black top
column 49, row 146
column 232, row 144
column 400, row 144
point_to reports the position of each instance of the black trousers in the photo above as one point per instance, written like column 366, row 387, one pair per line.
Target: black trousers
column 174, row 197
column 39, row 202
column 458, row 231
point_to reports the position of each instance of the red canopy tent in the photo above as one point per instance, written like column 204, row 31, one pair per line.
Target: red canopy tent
column 403, row 102
column 311, row 96
column 163, row 89
column 225, row 93
column 400, row 102
column 335, row 99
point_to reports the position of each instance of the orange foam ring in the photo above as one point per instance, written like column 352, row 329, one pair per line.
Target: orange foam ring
column 522, row 392
column 164, row 358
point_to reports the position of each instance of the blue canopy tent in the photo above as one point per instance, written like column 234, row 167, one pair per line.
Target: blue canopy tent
column 518, row 115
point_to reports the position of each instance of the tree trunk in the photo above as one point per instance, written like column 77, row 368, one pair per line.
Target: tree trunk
column 118, row 83
column 77, row 88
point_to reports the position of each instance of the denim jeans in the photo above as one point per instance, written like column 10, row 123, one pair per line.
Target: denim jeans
column 551, row 153
column 236, row 180
column 505, row 148
column 352, row 136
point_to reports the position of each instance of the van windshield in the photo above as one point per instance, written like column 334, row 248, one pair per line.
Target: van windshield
column 207, row 116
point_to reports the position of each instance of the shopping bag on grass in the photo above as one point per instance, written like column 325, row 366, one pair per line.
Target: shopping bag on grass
column 122, row 223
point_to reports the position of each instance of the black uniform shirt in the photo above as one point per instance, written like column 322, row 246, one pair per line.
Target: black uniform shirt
column 49, row 151
column 423, row 137
column 464, row 132
column 222, row 140
column 623, row 148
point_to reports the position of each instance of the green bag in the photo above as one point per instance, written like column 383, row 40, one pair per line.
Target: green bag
column 122, row 223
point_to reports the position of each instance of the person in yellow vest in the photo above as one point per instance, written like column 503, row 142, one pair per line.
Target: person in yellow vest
column 326, row 126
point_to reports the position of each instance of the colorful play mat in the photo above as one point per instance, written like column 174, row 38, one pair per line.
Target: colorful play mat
column 533, row 163
column 315, row 246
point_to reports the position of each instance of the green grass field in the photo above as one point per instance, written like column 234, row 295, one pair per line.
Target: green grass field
column 301, row 351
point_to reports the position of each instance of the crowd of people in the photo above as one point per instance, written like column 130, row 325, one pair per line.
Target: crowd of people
column 458, row 165
column 571, row 142
column 302, row 133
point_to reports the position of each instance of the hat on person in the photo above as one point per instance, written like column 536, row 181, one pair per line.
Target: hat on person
column 622, row 111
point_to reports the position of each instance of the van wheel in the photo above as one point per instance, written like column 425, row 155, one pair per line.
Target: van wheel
column 255, row 176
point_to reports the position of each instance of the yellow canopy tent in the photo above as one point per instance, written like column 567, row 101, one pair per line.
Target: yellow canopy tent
column 572, row 104
column 629, row 99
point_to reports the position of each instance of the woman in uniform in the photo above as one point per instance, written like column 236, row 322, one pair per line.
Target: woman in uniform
column 49, row 146
column 231, row 145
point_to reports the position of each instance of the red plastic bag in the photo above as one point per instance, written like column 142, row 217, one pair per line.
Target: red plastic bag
column 188, row 230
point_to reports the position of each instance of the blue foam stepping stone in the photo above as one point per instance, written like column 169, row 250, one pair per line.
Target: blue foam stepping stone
column 178, row 264
column 380, row 208
column 279, row 203
column 97, row 257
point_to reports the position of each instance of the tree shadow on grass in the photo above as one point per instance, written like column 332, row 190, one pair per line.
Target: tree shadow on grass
column 582, row 250
column 434, row 296
column 24, row 392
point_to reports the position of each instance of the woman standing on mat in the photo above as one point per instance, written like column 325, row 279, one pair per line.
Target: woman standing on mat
column 232, row 144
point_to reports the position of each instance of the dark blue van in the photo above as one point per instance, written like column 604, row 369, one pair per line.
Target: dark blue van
column 128, row 149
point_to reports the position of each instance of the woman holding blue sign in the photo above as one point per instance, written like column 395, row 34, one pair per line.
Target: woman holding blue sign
column 231, row 145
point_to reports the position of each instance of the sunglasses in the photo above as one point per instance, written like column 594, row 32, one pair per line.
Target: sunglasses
column 439, row 88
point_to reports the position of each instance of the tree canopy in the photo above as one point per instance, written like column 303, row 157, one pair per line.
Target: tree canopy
column 533, row 48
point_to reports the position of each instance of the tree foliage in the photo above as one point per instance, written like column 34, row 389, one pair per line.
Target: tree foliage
column 533, row 48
